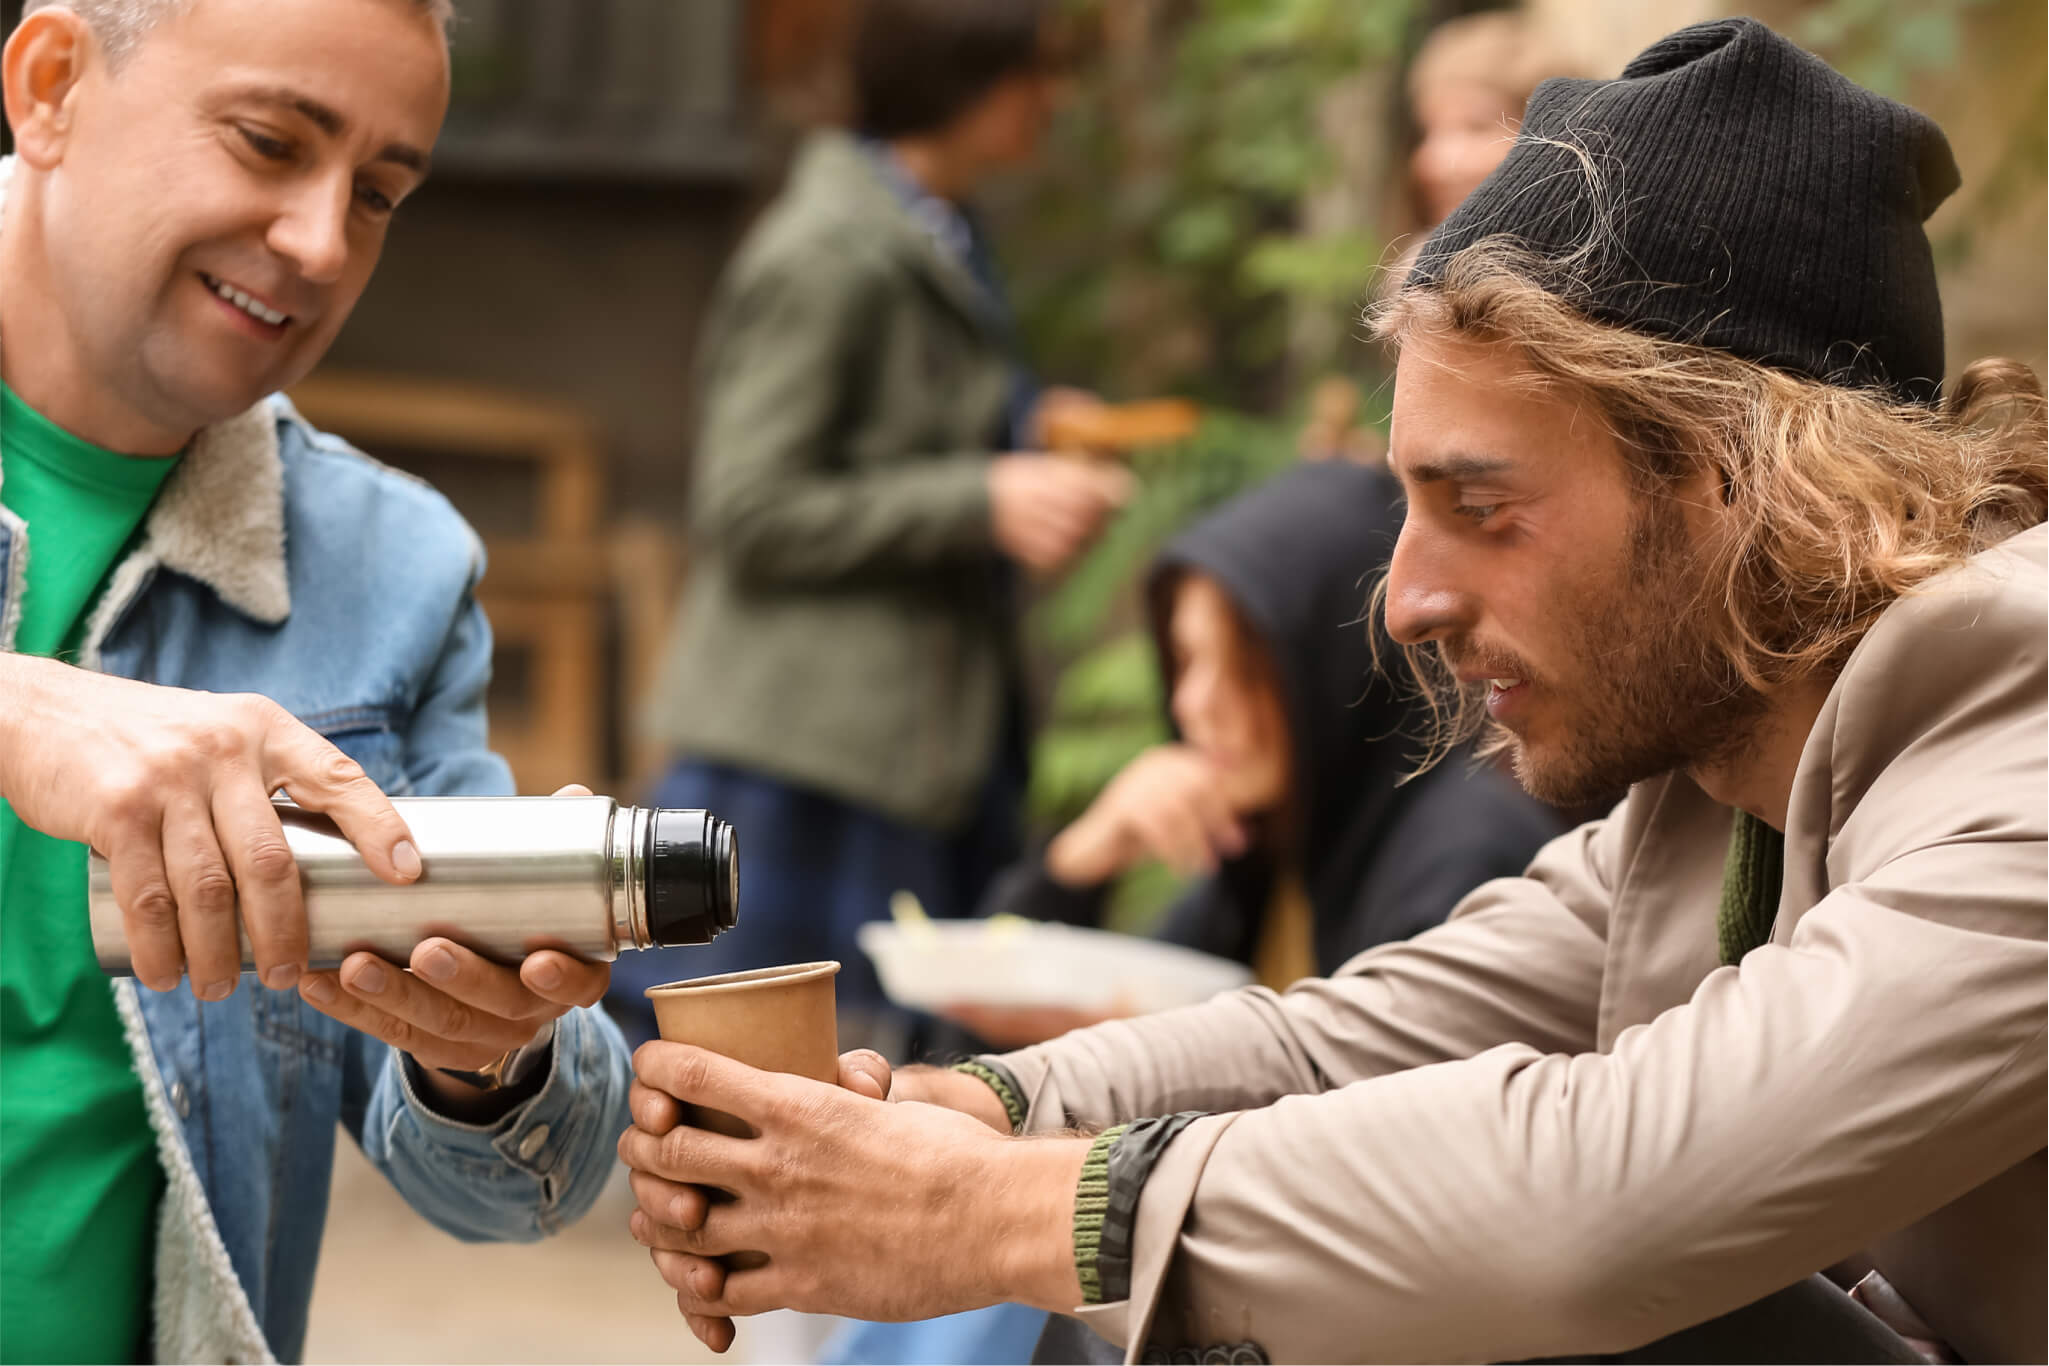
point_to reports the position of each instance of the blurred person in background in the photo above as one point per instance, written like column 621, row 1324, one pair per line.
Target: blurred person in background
column 1283, row 792
column 1468, row 86
column 202, row 601
column 845, row 682
column 1282, row 795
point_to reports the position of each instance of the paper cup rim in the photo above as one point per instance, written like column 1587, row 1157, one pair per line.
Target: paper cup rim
column 788, row 974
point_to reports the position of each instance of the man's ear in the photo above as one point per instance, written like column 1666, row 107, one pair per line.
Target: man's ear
column 40, row 73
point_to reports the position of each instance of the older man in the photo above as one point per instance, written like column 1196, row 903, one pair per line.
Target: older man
column 1683, row 515
column 202, row 600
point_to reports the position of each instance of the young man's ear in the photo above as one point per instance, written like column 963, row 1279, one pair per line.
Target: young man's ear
column 40, row 73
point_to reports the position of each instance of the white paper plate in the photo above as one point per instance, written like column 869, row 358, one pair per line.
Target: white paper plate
column 1009, row 962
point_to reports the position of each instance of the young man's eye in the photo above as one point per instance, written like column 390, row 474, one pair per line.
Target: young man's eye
column 265, row 146
column 1477, row 512
column 374, row 199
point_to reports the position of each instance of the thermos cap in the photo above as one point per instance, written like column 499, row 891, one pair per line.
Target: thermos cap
column 692, row 870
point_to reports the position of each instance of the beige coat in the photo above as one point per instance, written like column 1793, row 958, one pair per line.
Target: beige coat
column 1556, row 1125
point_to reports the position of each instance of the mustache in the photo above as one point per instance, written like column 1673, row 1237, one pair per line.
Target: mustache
column 1471, row 657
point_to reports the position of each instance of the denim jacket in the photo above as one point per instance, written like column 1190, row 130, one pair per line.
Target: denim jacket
column 279, row 561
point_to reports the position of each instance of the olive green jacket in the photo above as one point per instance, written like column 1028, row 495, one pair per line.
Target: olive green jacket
column 842, row 627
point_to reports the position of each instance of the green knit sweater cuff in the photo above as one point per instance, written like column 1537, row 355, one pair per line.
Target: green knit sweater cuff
column 1003, row 1085
column 1091, row 1200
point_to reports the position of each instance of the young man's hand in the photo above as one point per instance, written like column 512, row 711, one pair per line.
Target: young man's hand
column 1168, row 804
column 866, row 1209
column 1044, row 510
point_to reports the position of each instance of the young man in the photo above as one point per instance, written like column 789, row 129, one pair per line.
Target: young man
column 202, row 600
column 844, row 685
column 1680, row 515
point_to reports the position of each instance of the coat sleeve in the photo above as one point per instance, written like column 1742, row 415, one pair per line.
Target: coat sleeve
column 772, row 489
column 1519, row 962
column 1864, row 1070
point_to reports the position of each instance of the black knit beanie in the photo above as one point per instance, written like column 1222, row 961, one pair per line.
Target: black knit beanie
column 1756, row 202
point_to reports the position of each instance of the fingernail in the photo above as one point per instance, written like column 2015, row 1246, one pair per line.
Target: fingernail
column 282, row 977
column 406, row 859
column 217, row 991
column 368, row 979
column 436, row 964
column 546, row 975
column 319, row 990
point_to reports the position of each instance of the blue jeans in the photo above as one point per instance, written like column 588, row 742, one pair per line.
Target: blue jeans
column 813, row 870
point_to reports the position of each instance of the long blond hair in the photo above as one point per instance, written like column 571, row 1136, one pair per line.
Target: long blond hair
column 1846, row 499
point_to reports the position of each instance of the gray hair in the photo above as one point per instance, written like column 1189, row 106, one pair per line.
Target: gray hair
column 122, row 24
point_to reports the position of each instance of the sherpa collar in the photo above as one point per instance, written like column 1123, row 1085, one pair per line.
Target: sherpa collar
column 220, row 518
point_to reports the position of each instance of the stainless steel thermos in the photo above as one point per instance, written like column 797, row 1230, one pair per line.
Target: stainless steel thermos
column 504, row 876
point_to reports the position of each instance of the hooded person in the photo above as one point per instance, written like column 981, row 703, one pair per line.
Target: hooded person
column 1282, row 791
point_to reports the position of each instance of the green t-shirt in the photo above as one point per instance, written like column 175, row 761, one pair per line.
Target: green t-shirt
column 79, row 1179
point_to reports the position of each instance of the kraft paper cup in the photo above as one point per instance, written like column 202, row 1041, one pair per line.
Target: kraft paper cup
column 777, row 1019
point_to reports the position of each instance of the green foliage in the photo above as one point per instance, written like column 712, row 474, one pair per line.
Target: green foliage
column 1885, row 44
column 1893, row 47
column 1168, row 243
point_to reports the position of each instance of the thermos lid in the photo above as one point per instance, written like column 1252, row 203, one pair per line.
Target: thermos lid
column 693, row 877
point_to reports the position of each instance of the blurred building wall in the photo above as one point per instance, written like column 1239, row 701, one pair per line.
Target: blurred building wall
column 589, row 292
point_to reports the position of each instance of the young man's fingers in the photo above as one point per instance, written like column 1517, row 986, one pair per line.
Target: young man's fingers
column 707, row 1287
column 207, row 922
column 865, row 1072
column 266, row 879
column 668, row 1202
column 687, row 1155
column 321, row 778
column 651, row 1232
column 717, row 1334
column 655, row 1111
column 698, row 1076
column 149, row 912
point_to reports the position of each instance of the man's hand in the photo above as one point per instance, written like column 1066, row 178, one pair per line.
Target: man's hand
column 873, row 1210
column 1046, row 509
column 1169, row 804
column 174, row 788
column 456, row 1010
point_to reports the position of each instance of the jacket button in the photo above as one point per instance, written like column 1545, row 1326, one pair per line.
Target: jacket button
column 181, row 1100
column 536, row 1139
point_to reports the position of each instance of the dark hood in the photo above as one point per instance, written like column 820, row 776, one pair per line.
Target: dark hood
column 1299, row 557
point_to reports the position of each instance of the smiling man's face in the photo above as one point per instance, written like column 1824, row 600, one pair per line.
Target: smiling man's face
column 1543, row 576
column 219, row 202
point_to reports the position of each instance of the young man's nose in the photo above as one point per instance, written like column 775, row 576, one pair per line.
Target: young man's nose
column 1422, row 604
